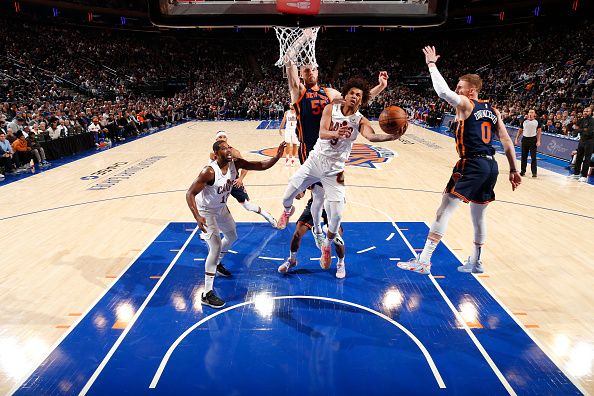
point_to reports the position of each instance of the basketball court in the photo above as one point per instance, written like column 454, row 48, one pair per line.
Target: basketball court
column 109, row 297
column 103, row 266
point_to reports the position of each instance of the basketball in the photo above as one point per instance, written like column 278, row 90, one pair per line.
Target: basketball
column 393, row 120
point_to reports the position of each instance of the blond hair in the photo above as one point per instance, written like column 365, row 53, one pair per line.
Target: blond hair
column 474, row 80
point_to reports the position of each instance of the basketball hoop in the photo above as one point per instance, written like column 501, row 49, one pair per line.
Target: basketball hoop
column 296, row 45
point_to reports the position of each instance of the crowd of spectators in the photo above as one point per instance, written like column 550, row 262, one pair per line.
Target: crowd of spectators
column 57, row 80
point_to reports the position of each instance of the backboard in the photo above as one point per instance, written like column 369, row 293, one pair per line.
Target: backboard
column 263, row 13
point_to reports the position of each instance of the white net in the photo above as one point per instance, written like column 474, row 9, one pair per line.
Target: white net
column 297, row 45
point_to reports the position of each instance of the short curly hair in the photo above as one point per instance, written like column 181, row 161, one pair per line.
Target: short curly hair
column 360, row 84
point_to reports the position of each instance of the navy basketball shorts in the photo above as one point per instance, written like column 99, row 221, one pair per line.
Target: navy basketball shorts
column 240, row 194
column 473, row 179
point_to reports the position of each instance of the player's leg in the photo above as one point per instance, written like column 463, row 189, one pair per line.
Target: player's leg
column 317, row 206
column 422, row 263
column 241, row 195
column 213, row 240
column 478, row 214
column 340, row 253
column 291, row 262
column 334, row 201
column 295, row 148
column 305, row 176
column 229, row 230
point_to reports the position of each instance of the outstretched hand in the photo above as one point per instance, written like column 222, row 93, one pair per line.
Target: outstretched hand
column 280, row 150
column 430, row 54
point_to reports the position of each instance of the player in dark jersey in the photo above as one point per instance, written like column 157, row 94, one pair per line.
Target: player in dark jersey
column 309, row 100
column 475, row 173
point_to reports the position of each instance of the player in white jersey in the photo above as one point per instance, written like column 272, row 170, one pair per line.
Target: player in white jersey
column 207, row 200
column 339, row 127
column 289, row 124
column 238, row 191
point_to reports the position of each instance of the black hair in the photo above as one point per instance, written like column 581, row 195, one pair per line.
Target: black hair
column 360, row 84
column 216, row 145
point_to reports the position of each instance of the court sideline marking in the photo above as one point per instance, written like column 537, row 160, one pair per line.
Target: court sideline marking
column 462, row 322
column 135, row 317
column 86, row 312
column 175, row 344
column 515, row 319
column 457, row 314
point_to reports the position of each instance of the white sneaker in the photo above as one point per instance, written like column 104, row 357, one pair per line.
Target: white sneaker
column 286, row 266
column 340, row 270
column 287, row 162
column 338, row 240
column 318, row 238
column 414, row 265
column 293, row 163
column 1, row 176
column 583, row 179
column 573, row 177
column 475, row 268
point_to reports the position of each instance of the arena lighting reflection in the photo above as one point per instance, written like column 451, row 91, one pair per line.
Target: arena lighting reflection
column 124, row 312
column 392, row 299
column 16, row 360
column 581, row 358
column 264, row 304
column 179, row 302
column 196, row 296
column 468, row 310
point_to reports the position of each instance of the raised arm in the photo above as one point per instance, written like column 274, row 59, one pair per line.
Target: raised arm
column 460, row 102
column 205, row 177
column 295, row 86
column 261, row 165
column 382, row 84
column 368, row 133
column 510, row 153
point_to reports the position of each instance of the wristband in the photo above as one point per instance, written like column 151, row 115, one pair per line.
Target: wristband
column 431, row 62
column 513, row 171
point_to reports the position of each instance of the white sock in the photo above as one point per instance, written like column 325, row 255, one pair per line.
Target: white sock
column 293, row 256
column 341, row 260
column 251, row 207
column 208, row 282
column 425, row 256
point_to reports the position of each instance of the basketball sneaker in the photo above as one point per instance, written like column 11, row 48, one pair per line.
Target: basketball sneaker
column 326, row 259
column 475, row 268
column 414, row 265
column 583, row 179
column 340, row 270
column 286, row 266
column 221, row 270
column 293, row 163
column 287, row 161
column 212, row 300
column 338, row 240
column 284, row 218
column 573, row 177
column 318, row 238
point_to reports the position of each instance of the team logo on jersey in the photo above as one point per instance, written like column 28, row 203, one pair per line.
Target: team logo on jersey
column 362, row 155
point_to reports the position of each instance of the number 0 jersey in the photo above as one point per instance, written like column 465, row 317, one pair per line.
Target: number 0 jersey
column 474, row 135
column 215, row 196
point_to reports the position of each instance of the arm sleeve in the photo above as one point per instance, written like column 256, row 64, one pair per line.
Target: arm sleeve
column 441, row 87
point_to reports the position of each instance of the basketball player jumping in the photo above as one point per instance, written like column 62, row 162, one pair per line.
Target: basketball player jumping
column 309, row 100
column 207, row 200
column 238, row 191
column 475, row 174
column 289, row 124
column 339, row 127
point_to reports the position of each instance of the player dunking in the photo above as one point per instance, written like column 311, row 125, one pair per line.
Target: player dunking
column 238, row 191
column 339, row 127
column 475, row 174
column 207, row 200
column 289, row 124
